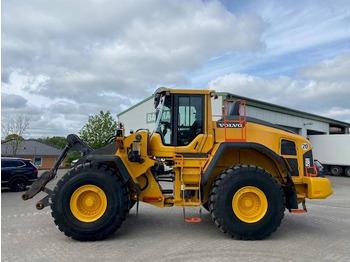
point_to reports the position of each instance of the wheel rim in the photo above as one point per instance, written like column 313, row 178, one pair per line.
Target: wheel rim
column 249, row 204
column 20, row 185
column 88, row 203
column 335, row 171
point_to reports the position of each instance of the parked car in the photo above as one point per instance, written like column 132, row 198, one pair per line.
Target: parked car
column 17, row 173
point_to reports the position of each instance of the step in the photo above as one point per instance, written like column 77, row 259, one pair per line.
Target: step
column 193, row 219
column 167, row 191
column 298, row 211
column 191, row 173
column 192, row 204
column 152, row 199
column 190, row 188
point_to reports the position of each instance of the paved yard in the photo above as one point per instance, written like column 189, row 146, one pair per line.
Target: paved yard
column 322, row 234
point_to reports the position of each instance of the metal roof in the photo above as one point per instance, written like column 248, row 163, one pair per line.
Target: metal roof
column 283, row 110
column 30, row 148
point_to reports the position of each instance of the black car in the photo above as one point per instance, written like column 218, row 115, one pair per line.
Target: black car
column 17, row 173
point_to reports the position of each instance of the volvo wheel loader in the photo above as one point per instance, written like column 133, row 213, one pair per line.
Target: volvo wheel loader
column 243, row 170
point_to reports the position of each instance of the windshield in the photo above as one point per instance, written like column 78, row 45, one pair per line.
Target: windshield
column 163, row 119
column 159, row 111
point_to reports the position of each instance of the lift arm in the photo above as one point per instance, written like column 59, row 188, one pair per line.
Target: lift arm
column 73, row 141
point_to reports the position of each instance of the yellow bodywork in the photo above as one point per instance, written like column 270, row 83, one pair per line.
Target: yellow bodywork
column 317, row 187
column 190, row 162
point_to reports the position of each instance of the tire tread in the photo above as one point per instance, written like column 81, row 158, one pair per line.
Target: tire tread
column 214, row 193
column 118, row 220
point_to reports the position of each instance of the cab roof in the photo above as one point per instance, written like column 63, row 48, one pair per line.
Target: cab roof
column 184, row 91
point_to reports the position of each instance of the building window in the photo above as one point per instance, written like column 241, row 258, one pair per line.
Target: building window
column 38, row 161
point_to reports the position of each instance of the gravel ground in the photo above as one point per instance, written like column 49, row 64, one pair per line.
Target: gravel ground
column 161, row 235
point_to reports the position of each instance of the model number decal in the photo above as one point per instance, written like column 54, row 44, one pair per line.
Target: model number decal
column 305, row 146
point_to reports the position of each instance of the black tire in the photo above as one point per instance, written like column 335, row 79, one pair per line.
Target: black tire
column 18, row 184
column 347, row 171
column 206, row 206
column 132, row 203
column 223, row 191
column 116, row 192
column 336, row 170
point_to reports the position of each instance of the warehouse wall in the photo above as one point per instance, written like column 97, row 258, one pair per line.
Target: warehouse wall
column 141, row 116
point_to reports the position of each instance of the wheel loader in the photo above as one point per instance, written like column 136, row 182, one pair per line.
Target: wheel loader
column 246, row 172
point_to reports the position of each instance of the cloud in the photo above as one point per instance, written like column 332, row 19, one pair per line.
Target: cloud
column 4, row 76
column 13, row 101
column 296, row 34
column 323, row 90
column 116, row 47
column 72, row 60
column 336, row 69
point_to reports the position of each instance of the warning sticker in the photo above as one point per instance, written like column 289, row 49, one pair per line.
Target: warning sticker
column 307, row 162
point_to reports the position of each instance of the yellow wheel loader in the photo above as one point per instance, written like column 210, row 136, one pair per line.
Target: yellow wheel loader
column 243, row 170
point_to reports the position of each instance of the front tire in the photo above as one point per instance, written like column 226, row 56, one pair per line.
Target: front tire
column 246, row 202
column 90, row 202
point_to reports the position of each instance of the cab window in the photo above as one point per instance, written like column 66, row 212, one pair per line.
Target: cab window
column 189, row 118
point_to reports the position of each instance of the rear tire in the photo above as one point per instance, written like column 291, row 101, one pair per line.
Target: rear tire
column 18, row 184
column 336, row 170
column 246, row 202
column 347, row 171
column 90, row 202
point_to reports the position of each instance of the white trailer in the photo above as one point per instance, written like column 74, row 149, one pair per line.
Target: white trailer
column 333, row 151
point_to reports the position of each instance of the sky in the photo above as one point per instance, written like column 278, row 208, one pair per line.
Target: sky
column 65, row 60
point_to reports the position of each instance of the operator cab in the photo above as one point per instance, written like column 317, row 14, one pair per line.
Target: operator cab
column 180, row 117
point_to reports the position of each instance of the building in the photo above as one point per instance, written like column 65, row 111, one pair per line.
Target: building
column 42, row 155
column 142, row 115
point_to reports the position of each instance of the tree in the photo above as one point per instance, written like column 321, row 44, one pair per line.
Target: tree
column 56, row 141
column 13, row 137
column 98, row 129
column 14, row 127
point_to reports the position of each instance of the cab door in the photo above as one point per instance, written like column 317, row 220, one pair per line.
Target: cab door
column 189, row 122
column 182, row 126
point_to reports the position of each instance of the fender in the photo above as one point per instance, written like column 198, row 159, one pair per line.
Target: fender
column 288, row 187
column 111, row 158
column 247, row 145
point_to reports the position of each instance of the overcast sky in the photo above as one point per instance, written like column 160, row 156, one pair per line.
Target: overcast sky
column 65, row 60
